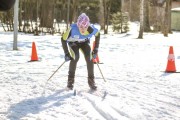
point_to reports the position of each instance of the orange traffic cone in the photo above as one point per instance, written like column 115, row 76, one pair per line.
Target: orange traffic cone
column 34, row 56
column 96, row 60
column 171, row 61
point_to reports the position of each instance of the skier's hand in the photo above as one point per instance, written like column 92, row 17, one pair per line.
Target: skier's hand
column 67, row 57
column 94, row 53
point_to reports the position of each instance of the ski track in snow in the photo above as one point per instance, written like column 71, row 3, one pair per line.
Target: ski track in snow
column 137, row 89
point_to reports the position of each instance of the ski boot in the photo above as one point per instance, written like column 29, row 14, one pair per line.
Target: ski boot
column 92, row 84
column 70, row 83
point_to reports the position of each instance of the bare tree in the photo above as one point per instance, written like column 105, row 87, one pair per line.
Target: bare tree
column 101, row 13
column 167, row 18
column 47, row 18
column 130, row 9
column 169, row 15
column 75, row 10
column 146, row 16
column 141, row 29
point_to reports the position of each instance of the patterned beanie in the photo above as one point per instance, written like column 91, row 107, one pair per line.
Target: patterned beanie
column 83, row 21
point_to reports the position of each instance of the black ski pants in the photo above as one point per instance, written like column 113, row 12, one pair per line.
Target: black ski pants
column 86, row 49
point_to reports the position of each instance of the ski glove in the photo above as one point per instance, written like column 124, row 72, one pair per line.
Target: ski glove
column 67, row 57
column 94, row 53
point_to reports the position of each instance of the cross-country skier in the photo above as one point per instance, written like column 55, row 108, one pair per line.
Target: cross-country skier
column 6, row 4
column 78, row 37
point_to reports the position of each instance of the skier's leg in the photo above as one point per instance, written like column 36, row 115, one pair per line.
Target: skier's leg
column 72, row 67
column 86, row 49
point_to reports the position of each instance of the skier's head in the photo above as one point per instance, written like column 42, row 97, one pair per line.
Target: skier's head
column 83, row 21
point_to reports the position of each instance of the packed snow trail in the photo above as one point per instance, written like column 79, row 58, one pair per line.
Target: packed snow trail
column 137, row 89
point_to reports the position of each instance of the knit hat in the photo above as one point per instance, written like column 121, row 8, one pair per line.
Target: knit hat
column 83, row 21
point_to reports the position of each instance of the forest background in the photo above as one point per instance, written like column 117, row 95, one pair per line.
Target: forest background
column 43, row 16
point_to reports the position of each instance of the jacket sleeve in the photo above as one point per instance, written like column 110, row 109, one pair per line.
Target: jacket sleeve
column 97, row 37
column 97, row 40
column 64, row 38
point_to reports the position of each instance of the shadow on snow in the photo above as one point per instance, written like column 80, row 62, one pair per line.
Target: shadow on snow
column 36, row 105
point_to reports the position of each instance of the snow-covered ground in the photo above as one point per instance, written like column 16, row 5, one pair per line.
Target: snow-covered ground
column 137, row 88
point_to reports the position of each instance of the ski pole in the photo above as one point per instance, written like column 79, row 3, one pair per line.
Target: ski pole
column 105, row 92
column 52, row 76
column 100, row 70
column 56, row 71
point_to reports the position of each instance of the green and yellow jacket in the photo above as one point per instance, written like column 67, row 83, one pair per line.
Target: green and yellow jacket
column 73, row 35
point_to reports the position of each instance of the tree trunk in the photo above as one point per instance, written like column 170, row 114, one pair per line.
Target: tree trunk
column 107, row 16
column 104, row 27
column 75, row 10
column 47, row 15
column 68, row 10
column 146, row 16
column 101, row 14
column 15, row 41
column 166, row 20
column 130, row 9
column 141, row 19
column 20, row 15
column 121, row 11
column 169, row 14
